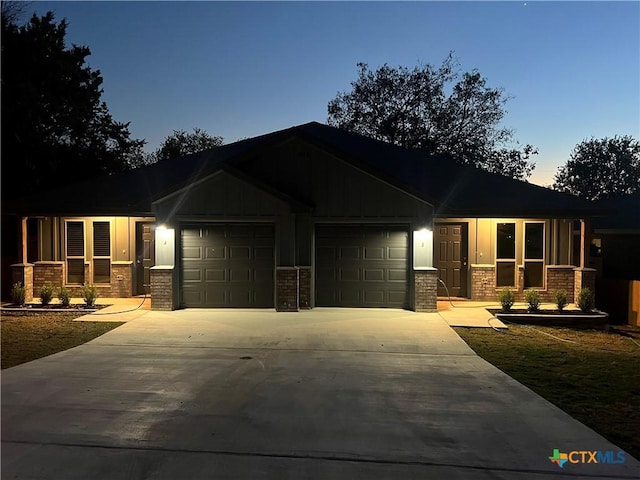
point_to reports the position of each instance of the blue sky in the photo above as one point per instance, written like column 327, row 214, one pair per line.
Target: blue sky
column 240, row 69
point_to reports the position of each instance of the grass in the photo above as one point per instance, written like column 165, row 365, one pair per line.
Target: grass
column 596, row 380
column 28, row 337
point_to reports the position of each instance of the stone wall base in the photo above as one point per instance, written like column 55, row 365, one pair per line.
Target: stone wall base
column 557, row 277
column 287, row 289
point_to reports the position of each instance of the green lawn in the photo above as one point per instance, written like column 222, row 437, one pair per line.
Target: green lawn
column 595, row 380
column 27, row 337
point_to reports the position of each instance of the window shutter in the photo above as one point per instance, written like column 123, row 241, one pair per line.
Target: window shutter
column 75, row 239
column 101, row 239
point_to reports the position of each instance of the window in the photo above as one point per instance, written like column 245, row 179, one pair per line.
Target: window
column 533, row 255
column 75, row 252
column 101, row 252
column 505, row 254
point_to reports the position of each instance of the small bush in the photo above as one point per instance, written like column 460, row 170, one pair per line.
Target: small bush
column 585, row 300
column 507, row 299
column 18, row 294
column 46, row 293
column 532, row 297
column 89, row 294
column 561, row 299
column 64, row 296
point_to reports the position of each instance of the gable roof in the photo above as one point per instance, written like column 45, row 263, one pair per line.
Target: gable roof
column 452, row 189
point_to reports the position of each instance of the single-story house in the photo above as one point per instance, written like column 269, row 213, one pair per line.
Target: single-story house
column 303, row 217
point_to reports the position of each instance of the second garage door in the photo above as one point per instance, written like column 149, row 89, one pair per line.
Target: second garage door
column 361, row 266
column 227, row 265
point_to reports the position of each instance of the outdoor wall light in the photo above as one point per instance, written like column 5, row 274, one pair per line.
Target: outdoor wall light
column 423, row 235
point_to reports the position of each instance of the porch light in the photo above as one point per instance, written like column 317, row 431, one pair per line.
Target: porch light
column 423, row 235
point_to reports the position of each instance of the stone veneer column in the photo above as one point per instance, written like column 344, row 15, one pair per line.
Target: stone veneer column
column 162, row 288
column 23, row 273
column 426, row 283
column 304, row 301
column 287, row 289
column 584, row 278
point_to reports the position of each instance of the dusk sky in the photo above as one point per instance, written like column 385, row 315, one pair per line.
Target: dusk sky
column 240, row 69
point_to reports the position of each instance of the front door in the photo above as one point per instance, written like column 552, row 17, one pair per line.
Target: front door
column 450, row 241
column 145, row 256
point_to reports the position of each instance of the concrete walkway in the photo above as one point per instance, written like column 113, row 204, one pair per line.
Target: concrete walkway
column 329, row 393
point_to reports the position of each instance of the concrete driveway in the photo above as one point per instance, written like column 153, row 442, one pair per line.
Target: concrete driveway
column 330, row 393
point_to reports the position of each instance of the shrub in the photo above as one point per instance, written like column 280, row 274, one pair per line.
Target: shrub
column 89, row 293
column 46, row 293
column 18, row 294
column 561, row 299
column 507, row 299
column 532, row 297
column 585, row 300
column 64, row 296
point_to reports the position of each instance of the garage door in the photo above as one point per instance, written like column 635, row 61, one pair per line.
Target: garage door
column 227, row 265
column 361, row 266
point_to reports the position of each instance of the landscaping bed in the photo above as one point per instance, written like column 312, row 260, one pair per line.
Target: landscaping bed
column 592, row 375
column 554, row 318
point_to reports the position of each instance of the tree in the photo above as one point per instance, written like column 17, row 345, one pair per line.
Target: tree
column 601, row 168
column 181, row 143
column 411, row 108
column 55, row 127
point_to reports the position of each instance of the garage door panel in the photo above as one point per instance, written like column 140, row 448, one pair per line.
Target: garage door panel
column 374, row 275
column 192, row 297
column 228, row 265
column 397, row 275
column 215, row 253
column 240, row 253
column 374, row 253
column 192, row 275
column 396, row 253
column 374, row 296
column 192, row 253
column 216, row 275
column 349, row 274
column 326, row 253
column 369, row 270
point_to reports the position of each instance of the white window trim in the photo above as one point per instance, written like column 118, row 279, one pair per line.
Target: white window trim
column 513, row 260
column 544, row 251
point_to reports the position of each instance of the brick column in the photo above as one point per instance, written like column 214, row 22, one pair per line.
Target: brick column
column 162, row 297
column 426, row 282
column 23, row 273
column 121, row 279
column 305, row 287
column 287, row 289
column 483, row 282
column 584, row 278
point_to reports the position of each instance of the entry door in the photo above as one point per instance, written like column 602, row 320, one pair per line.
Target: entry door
column 145, row 256
column 450, row 240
